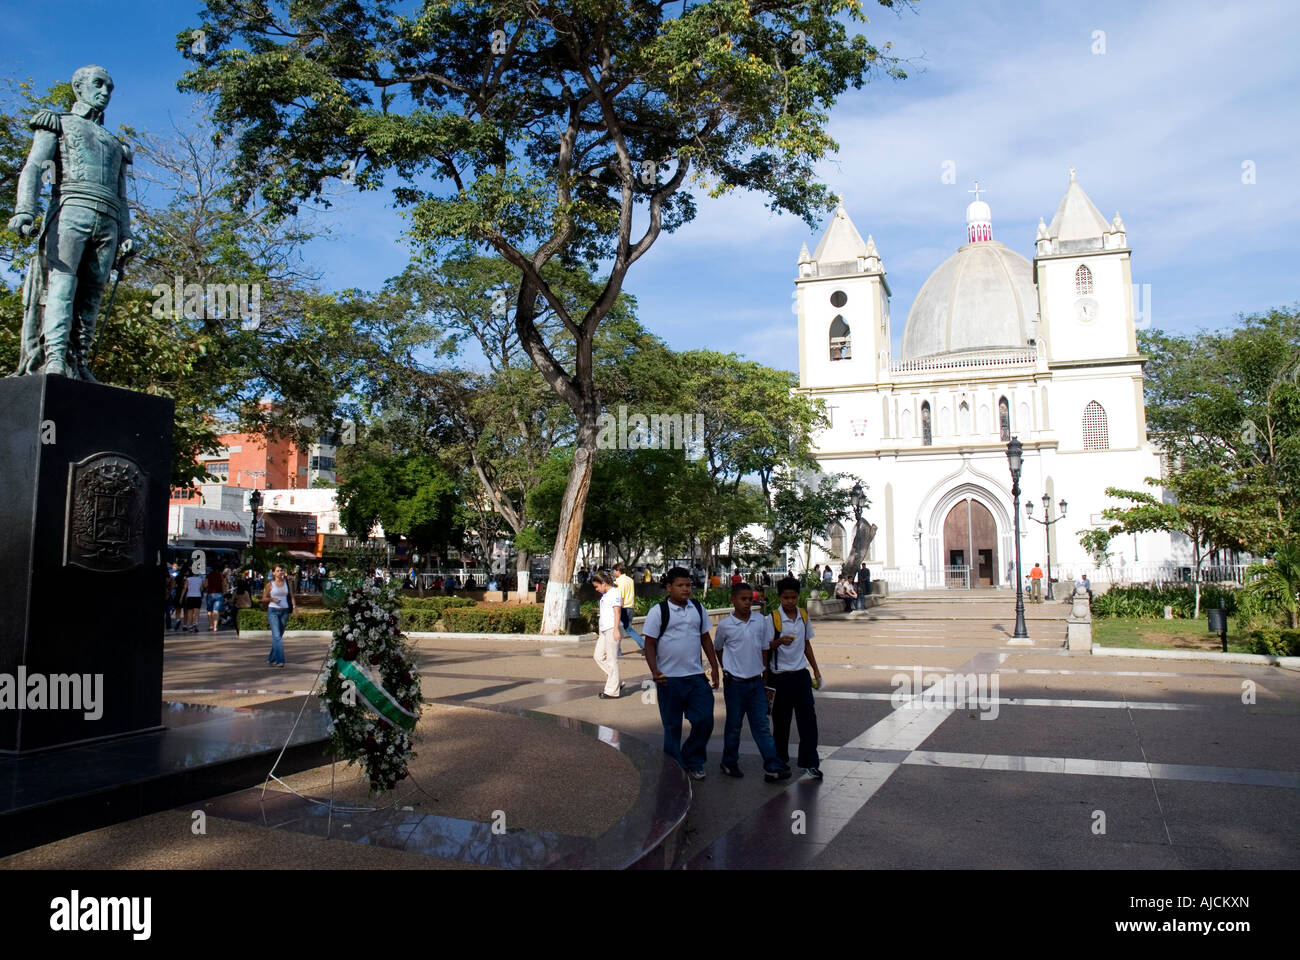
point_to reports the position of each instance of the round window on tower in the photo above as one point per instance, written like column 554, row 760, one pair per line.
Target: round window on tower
column 838, row 299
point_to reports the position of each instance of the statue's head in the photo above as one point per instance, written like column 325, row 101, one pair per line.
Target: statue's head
column 93, row 85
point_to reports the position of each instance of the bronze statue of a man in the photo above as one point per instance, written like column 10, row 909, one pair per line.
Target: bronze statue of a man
column 87, row 230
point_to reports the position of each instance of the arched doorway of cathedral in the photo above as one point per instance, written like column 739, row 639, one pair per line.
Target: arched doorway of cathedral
column 970, row 541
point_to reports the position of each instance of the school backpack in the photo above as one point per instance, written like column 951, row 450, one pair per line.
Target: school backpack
column 663, row 615
column 776, row 623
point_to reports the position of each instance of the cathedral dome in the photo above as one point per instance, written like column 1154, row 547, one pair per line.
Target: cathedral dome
column 980, row 298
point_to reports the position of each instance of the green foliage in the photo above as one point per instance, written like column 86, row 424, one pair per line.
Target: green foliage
column 436, row 604
column 1147, row 602
column 254, row 618
column 507, row 619
column 1228, row 401
column 1275, row 643
column 536, row 130
column 410, row 494
column 802, row 513
column 1272, row 586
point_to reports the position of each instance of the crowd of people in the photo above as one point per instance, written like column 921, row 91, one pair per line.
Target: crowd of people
column 765, row 664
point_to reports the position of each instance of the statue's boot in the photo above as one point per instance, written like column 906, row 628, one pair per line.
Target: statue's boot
column 79, row 354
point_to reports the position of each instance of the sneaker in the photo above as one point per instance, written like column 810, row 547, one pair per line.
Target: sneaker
column 732, row 770
column 813, row 772
column 695, row 774
column 605, row 696
column 774, row 776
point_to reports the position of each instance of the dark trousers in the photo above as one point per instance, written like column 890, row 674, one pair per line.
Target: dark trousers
column 747, row 698
column 692, row 697
column 794, row 696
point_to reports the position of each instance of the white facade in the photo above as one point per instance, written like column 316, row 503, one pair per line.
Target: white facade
column 995, row 346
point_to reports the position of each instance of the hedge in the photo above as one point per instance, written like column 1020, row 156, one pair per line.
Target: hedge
column 1148, row 603
column 521, row 619
column 436, row 604
column 315, row 619
column 1276, row 643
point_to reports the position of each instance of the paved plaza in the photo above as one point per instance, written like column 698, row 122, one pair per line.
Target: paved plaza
column 1060, row 762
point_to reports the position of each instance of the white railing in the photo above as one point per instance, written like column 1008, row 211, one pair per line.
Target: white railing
column 966, row 361
column 956, row 577
column 1152, row 573
column 899, row 580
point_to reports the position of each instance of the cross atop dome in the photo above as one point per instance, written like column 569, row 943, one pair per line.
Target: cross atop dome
column 979, row 218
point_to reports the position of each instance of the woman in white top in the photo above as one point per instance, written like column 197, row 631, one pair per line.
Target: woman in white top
column 606, row 655
column 278, row 597
column 193, row 600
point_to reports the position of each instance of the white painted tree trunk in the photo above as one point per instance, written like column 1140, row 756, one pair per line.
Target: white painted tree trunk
column 569, row 536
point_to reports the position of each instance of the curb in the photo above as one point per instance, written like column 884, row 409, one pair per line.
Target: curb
column 424, row 635
column 1256, row 659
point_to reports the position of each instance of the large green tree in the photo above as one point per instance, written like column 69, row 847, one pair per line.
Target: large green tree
column 1229, row 401
column 1210, row 507
column 804, row 509
column 539, row 130
column 409, row 494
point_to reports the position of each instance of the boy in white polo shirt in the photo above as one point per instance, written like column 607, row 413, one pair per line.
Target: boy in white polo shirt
column 675, row 632
column 742, row 640
column 789, row 659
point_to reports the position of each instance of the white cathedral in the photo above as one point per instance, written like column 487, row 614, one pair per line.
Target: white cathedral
column 996, row 346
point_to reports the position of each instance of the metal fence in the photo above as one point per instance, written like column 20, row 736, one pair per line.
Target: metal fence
column 956, row 577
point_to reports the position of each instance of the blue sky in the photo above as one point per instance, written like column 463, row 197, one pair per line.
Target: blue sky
column 1012, row 93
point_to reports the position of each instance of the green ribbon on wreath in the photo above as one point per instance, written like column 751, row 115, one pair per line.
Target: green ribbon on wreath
column 375, row 697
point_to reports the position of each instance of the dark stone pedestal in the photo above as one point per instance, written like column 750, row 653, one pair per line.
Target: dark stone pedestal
column 84, row 472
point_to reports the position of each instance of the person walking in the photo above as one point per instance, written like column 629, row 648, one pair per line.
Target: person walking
column 627, row 604
column 278, row 597
column 193, row 600
column 676, row 630
column 741, row 641
column 214, row 597
column 788, row 662
column 1036, row 583
column 863, row 578
column 607, row 639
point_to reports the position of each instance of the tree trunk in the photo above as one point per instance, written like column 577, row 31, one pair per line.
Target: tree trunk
column 568, row 538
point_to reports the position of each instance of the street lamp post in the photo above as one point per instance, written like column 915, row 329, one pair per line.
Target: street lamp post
column 1047, row 523
column 1014, row 460
column 919, row 559
column 255, row 502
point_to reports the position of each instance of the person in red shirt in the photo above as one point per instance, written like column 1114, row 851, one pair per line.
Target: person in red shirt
column 1036, row 583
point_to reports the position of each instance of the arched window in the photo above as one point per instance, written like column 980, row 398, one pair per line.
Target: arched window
column 840, row 346
column 1082, row 280
column 836, row 536
column 963, row 418
column 1004, row 419
column 927, row 437
column 906, row 428
column 1096, row 435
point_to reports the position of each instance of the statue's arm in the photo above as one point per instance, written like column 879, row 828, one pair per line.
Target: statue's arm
column 124, row 207
column 39, row 159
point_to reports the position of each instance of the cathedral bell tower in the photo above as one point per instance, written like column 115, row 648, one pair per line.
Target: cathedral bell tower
column 842, row 299
column 1085, row 282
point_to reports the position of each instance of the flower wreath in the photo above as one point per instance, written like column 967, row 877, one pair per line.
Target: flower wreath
column 372, row 689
